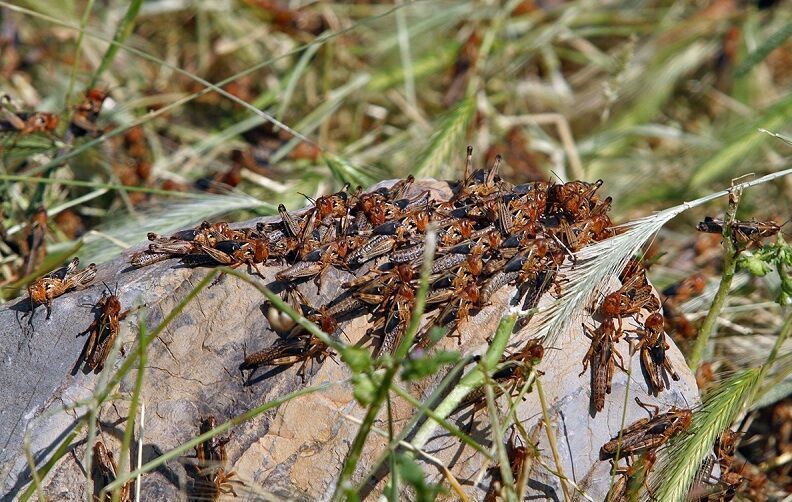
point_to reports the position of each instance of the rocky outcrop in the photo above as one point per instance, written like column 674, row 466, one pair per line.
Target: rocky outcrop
column 297, row 449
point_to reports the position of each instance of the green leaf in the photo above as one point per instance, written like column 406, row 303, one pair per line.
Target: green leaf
column 364, row 389
column 754, row 265
column 427, row 364
column 759, row 54
column 357, row 358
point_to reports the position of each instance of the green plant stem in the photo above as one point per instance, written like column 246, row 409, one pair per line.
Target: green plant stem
column 38, row 474
column 507, row 479
column 77, row 52
column 786, row 330
column 624, row 416
column 447, row 381
column 445, row 424
column 344, row 484
column 393, row 493
column 470, row 382
column 35, row 474
column 122, row 32
column 133, row 406
column 730, row 255
column 92, row 184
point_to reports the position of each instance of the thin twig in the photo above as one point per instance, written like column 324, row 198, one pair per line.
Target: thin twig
column 552, row 440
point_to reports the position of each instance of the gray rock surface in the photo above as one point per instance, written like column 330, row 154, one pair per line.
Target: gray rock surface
column 297, row 449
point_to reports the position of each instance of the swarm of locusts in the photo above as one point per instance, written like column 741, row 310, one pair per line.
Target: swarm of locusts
column 490, row 234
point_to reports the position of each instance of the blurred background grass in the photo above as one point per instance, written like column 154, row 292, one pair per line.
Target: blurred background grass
column 663, row 100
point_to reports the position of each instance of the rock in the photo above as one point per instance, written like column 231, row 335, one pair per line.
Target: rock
column 297, row 449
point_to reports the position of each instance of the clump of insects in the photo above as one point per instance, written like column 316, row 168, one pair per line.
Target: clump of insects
column 490, row 234
column 42, row 291
column 633, row 298
column 639, row 443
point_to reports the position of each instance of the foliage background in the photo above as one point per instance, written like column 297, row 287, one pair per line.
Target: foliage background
column 665, row 101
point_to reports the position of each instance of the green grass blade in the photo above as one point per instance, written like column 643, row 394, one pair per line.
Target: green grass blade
column 42, row 472
column 687, row 451
column 296, row 73
column 77, row 51
column 749, row 139
column 470, row 382
column 122, row 32
column 759, row 54
column 114, row 235
column 129, row 430
column 346, row 172
column 447, row 139
column 220, row 429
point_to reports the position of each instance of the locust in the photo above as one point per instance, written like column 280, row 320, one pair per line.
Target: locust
column 602, row 355
column 83, row 120
column 289, row 351
column 515, row 371
column 632, row 479
column 653, row 346
column 648, row 433
column 13, row 120
column 744, row 233
column 55, row 284
column 103, row 332
column 104, row 472
column 520, row 464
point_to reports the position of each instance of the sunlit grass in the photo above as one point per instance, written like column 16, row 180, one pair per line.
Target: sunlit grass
column 657, row 105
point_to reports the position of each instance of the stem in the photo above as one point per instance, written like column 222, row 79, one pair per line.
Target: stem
column 470, row 382
column 786, row 330
column 344, row 484
column 129, row 431
column 507, row 480
column 552, row 440
column 393, row 494
column 445, row 424
column 730, row 254
column 351, row 462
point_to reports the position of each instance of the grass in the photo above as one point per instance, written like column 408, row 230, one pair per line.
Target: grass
column 666, row 102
